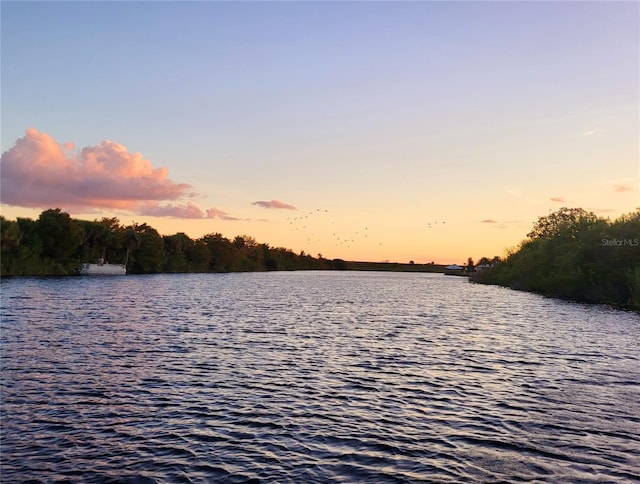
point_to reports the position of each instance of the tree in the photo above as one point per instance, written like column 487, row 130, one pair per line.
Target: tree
column 100, row 240
column 9, row 234
column 56, row 244
column 199, row 257
column 575, row 255
column 9, row 247
column 176, row 249
column 149, row 255
column 339, row 265
column 60, row 235
column 565, row 222
column 223, row 253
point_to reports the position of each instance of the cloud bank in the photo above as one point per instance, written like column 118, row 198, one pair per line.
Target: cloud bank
column 274, row 204
column 39, row 172
column 558, row 199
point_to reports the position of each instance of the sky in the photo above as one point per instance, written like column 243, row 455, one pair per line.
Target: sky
column 373, row 131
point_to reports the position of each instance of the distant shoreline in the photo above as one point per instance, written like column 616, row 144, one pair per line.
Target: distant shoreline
column 339, row 265
column 393, row 267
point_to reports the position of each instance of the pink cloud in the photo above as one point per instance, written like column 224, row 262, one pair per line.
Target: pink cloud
column 177, row 211
column 274, row 204
column 558, row 199
column 216, row 213
column 39, row 172
column 188, row 210
column 503, row 224
column 622, row 188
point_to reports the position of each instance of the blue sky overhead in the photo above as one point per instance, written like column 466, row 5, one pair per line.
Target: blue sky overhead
column 373, row 119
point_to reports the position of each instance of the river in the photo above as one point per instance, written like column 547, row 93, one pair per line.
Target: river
column 313, row 377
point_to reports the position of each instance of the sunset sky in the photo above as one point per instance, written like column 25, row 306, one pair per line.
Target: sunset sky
column 425, row 131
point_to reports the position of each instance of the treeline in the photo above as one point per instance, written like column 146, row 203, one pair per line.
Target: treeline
column 574, row 254
column 56, row 244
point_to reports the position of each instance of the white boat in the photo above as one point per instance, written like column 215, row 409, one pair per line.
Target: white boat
column 103, row 269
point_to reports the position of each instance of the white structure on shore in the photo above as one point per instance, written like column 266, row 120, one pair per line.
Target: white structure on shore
column 103, row 269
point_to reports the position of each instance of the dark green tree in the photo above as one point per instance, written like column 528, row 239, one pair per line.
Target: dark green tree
column 148, row 256
column 223, row 253
column 11, row 247
column 57, row 244
column 61, row 238
column 470, row 265
column 574, row 254
column 199, row 257
column 565, row 222
column 176, row 252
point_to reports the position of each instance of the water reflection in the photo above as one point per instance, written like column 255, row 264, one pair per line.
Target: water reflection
column 313, row 377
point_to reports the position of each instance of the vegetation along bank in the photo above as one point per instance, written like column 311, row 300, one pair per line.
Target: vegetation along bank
column 574, row 254
column 571, row 254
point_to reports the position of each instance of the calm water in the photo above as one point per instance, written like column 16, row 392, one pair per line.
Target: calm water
column 313, row 377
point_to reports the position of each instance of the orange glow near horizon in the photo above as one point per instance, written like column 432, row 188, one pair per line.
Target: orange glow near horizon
column 445, row 242
column 433, row 146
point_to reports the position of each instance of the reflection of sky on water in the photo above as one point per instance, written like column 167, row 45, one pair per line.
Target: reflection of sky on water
column 312, row 376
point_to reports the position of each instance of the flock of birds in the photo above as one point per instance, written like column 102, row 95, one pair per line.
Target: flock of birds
column 311, row 222
column 303, row 223
column 434, row 223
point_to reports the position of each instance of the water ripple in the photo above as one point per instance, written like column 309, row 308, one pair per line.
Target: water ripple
column 313, row 377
